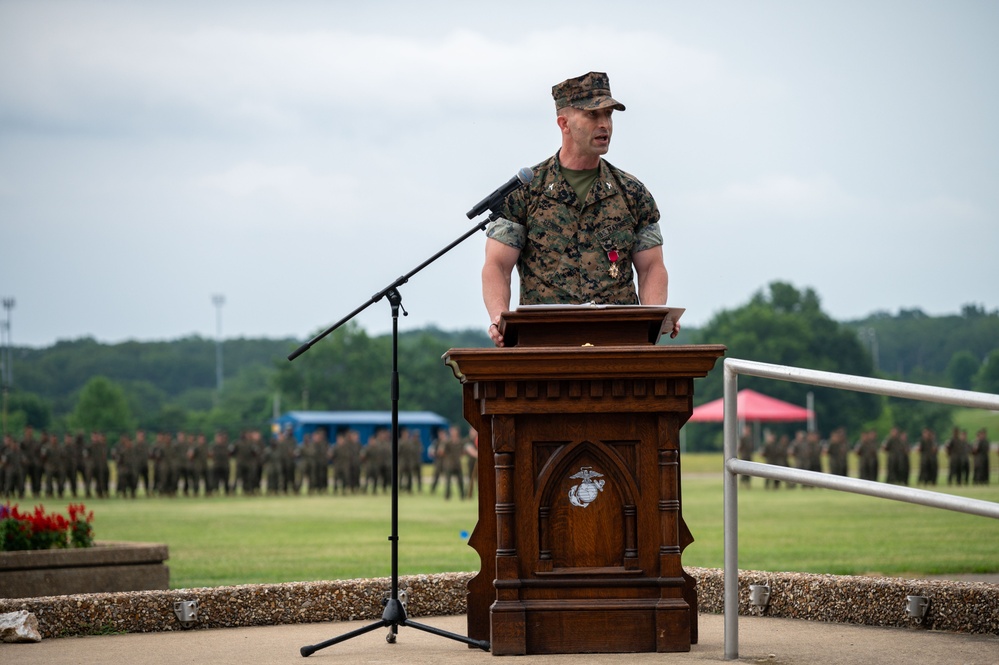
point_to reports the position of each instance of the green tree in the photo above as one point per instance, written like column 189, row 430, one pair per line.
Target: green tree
column 171, row 418
column 426, row 384
column 346, row 370
column 987, row 379
column 351, row 371
column 102, row 406
column 30, row 409
column 786, row 326
column 145, row 400
column 962, row 368
column 913, row 342
column 245, row 402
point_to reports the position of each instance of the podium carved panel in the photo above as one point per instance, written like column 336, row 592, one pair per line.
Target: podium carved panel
column 580, row 529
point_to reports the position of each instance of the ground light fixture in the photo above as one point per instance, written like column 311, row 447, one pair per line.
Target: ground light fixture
column 916, row 606
column 759, row 596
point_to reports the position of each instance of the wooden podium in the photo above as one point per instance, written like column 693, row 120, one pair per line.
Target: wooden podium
column 580, row 529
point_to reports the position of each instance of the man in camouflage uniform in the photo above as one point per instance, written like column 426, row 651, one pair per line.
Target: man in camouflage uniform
column 218, row 456
column 161, row 465
column 3, row 465
column 354, row 457
column 100, row 472
column 437, row 458
column 798, row 449
column 177, row 460
column 867, row 450
column 287, row 454
column 318, row 452
column 199, row 463
column 472, row 455
column 245, row 454
column 980, row 456
column 815, row 445
column 958, row 457
column 80, row 463
column 143, row 453
column 69, row 462
column 272, row 465
column 897, row 449
column 582, row 228
column 838, row 452
column 126, row 458
column 12, row 463
column 745, row 449
column 54, row 459
column 341, row 463
column 453, row 452
column 410, row 460
column 772, row 454
column 187, row 468
column 929, row 464
column 31, row 450
column 377, row 457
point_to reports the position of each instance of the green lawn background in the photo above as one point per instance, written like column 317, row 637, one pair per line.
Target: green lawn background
column 260, row 539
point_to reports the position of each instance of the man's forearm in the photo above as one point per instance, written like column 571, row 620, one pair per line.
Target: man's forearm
column 653, row 285
column 495, row 292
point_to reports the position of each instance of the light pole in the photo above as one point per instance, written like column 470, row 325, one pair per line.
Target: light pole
column 8, row 364
column 6, row 360
column 870, row 335
column 218, row 300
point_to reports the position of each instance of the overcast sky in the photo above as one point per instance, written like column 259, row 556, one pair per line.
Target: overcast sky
column 297, row 157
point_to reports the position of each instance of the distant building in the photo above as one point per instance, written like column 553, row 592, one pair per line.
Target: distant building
column 365, row 423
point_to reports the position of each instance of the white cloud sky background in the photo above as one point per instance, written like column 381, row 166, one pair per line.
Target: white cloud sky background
column 299, row 156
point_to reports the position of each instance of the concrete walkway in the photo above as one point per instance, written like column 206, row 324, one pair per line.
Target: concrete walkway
column 762, row 640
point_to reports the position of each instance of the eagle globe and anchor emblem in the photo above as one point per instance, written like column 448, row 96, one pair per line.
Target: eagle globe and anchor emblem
column 586, row 492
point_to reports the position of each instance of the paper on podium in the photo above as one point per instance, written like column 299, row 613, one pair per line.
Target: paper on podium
column 587, row 324
column 672, row 314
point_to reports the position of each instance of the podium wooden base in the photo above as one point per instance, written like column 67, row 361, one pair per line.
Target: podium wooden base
column 580, row 530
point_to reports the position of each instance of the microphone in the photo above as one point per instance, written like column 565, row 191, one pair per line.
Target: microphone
column 524, row 176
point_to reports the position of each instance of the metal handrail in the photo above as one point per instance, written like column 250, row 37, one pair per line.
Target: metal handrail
column 735, row 467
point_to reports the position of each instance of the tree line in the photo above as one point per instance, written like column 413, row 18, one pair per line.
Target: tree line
column 171, row 385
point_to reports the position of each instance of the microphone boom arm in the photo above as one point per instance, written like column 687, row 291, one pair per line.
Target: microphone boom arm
column 480, row 226
column 524, row 176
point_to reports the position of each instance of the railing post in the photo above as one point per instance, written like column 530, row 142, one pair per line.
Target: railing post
column 731, row 517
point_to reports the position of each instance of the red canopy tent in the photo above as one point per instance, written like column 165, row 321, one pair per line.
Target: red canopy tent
column 753, row 406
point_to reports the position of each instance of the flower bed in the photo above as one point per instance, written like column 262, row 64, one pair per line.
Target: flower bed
column 47, row 554
column 39, row 530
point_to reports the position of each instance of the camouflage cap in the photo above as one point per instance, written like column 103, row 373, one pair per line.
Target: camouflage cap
column 587, row 92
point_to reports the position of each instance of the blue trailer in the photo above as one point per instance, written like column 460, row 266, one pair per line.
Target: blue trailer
column 365, row 423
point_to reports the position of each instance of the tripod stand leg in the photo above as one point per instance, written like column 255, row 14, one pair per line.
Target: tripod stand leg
column 307, row 651
column 479, row 644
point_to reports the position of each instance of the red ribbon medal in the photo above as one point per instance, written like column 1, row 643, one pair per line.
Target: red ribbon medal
column 612, row 257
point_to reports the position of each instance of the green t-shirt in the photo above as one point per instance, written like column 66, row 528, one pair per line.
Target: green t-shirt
column 580, row 181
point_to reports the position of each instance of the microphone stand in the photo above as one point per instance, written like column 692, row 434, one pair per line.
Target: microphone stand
column 394, row 614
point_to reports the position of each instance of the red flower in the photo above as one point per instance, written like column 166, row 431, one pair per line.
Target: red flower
column 38, row 530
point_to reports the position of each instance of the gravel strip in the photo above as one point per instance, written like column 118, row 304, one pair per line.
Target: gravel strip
column 966, row 607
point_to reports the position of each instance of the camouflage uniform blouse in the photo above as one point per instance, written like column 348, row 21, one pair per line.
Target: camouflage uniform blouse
column 565, row 249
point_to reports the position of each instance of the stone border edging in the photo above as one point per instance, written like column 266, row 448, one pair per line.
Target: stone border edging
column 962, row 607
column 967, row 607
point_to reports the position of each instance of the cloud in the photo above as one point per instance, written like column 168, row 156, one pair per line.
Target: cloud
column 111, row 73
column 944, row 210
column 293, row 185
column 782, row 196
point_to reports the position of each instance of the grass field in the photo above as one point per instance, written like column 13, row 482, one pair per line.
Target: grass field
column 975, row 419
column 236, row 540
